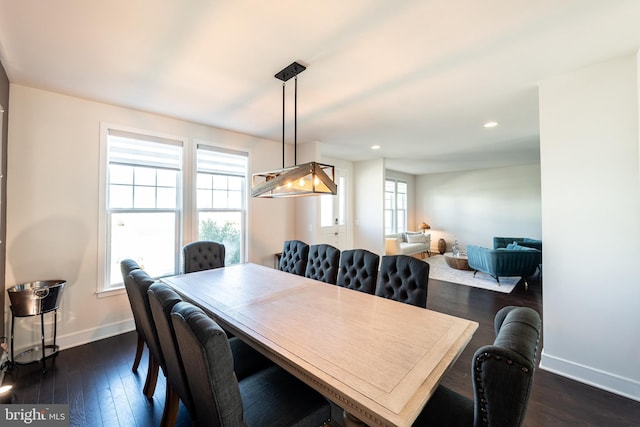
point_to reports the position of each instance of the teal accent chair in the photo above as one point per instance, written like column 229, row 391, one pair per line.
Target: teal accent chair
column 514, row 260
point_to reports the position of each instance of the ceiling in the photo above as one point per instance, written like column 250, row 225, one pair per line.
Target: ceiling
column 418, row 78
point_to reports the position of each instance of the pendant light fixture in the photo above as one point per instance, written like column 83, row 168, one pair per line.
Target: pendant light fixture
column 307, row 179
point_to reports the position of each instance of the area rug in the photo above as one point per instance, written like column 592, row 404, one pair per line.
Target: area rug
column 439, row 270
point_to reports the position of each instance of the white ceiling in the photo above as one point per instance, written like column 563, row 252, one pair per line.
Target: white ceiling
column 419, row 78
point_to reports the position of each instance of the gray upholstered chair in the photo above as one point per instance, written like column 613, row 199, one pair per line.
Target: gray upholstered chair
column 502, row 376
column 358, row 270
column 137, row 283
column 294, row 257
column 270, row 397
column 322, row 263
column 126, row 267
column 202, row 255
column 403, row 278
column 246, row 360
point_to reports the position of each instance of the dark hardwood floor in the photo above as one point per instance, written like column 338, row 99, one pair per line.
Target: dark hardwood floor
column 97, row 382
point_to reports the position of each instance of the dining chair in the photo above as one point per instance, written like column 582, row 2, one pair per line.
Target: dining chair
column 246, row 360
column 202, row 255
column 502, row 377
column 322, row 263
column 403, row 278
column 126, row 267
column 358, row 270
column 270, row 397
column 136, row 284
column 294, row 257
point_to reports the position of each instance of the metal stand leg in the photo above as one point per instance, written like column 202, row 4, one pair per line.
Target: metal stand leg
column 13, row 325
column 44, row 365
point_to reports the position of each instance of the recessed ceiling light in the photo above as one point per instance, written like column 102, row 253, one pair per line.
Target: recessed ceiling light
column 491, row 124
column 375, row 147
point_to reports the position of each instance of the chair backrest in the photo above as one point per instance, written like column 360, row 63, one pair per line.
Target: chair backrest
column 202, row 255
column 322, row 263
column 126, row 267
column 294, row 257
column 358, row 270
column 403, row 278
column 137, row 283
column 162, row 299
column 208, row 364
column 502, row 373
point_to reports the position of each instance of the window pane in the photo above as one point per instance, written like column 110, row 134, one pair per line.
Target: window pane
column 166, row 198
column 204, row 181
column 119, row 174
column 225, row 228
column 219, row 199
column 236, row 183
column 219, row 182
column 235, row 200
column 204, row 199
column 145, row 176
column 120, row 196
column 147, row 238
column 167, row 178
column 144, row 198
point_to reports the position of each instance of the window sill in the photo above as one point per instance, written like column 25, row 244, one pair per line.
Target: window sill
column 104, row 293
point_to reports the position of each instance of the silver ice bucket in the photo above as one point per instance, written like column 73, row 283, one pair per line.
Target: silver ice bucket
column 32, row 298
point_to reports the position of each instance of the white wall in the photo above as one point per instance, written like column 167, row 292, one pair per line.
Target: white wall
column 368, row 188
column 52, row 212
column 474, row 206
column 591, row 225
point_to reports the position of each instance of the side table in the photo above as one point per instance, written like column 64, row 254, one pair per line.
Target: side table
column 458, row 262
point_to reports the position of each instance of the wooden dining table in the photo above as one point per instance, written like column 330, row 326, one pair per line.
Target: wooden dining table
column 380, row 360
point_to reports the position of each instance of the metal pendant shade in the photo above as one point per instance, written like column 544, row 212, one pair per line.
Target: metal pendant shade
column 308, row 179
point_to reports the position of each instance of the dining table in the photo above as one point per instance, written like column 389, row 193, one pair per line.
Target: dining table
column 378, row 359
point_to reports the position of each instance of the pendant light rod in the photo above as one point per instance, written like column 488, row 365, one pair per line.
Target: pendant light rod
column 291, row 71
column 295, row 121
column 283, row 165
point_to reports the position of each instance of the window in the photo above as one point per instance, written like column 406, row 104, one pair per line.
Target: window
column 143, row 198
column 147, row 216
column 221, row 199
column 395, row 206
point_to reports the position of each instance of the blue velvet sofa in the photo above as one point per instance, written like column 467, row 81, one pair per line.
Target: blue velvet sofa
column 513, row 260
column 502, row 242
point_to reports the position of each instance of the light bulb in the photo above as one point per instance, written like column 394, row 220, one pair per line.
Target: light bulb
column 301, row 182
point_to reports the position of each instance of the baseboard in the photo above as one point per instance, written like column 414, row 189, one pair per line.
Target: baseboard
column 75, row 339
column 603, row 380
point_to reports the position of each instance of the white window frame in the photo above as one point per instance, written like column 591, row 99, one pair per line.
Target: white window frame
column 395, row 210
column 104, row 287
column 195, row 227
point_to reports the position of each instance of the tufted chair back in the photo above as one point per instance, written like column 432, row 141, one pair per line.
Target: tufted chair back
column 294, row 257
column 358, row 270
column 502, row 376
column 202, row 255
column 403, row 278
column 136, row 284
column 323, row 263
column 268, row 397
column 162, row 298
column 126, row 267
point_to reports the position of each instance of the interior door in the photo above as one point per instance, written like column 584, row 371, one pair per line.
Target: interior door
column 333, row 214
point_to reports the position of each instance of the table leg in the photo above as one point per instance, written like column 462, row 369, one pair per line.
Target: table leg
column 351, row 421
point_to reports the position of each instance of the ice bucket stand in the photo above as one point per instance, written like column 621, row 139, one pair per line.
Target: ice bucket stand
column 35, row 354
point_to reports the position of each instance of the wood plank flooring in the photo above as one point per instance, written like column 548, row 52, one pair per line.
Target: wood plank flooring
column 97, row 382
